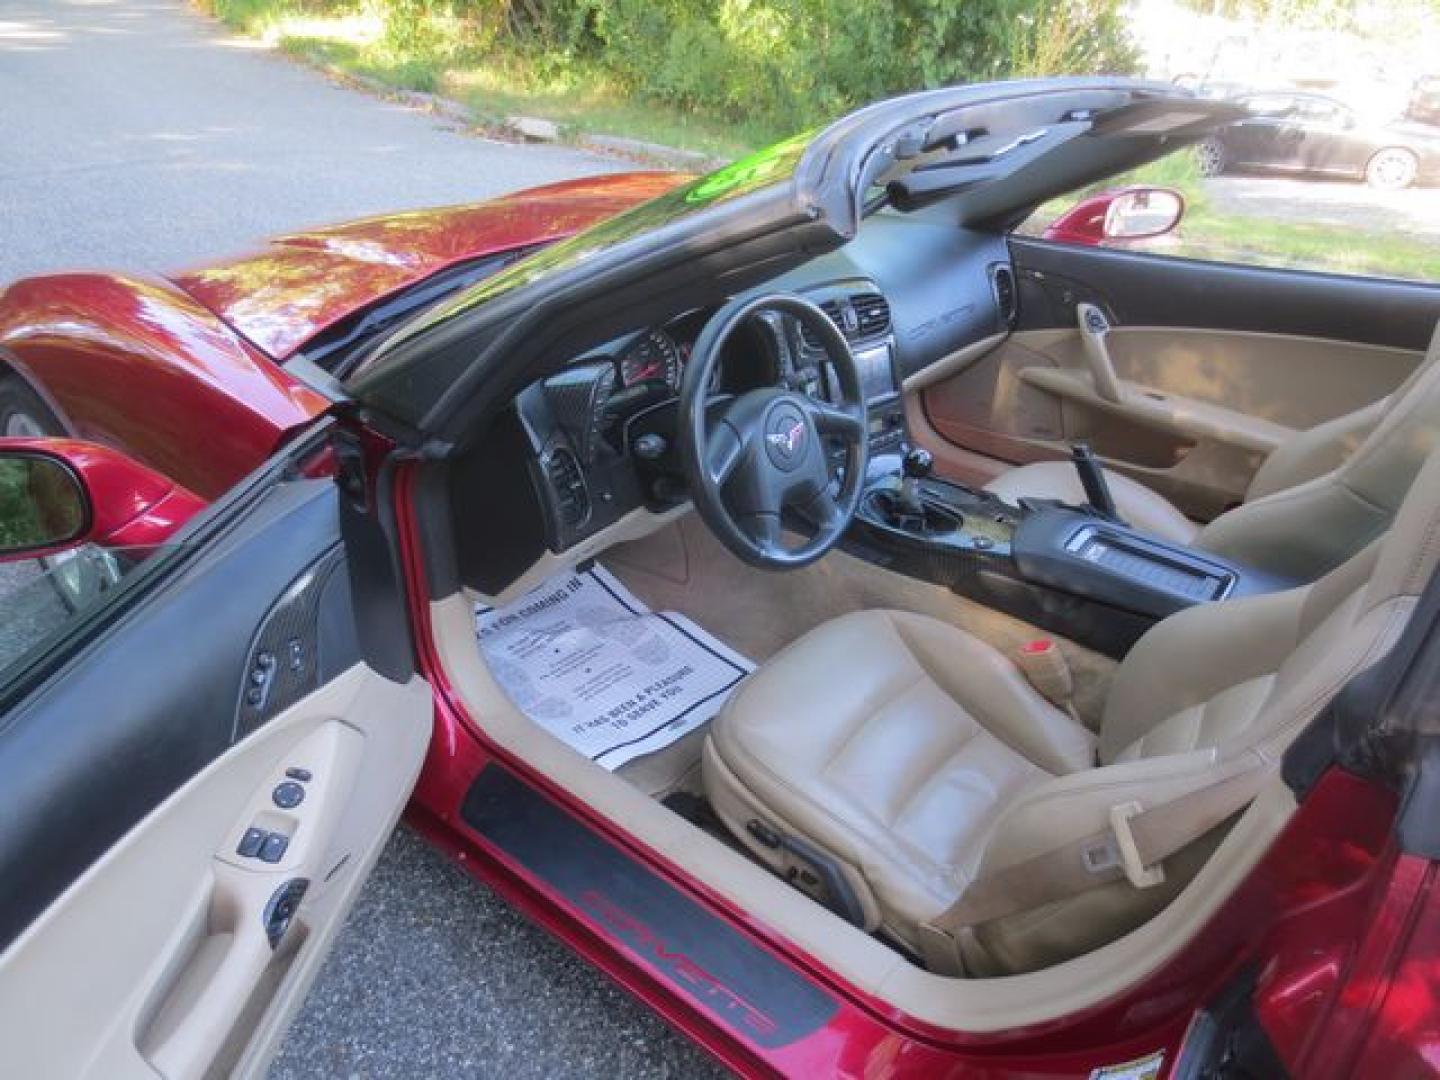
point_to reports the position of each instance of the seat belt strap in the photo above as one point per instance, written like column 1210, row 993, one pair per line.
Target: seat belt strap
column 1133, row 847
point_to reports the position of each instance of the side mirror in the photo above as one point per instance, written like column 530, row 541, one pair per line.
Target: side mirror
column 43, row 507
column 57, row 494
column 1141, row 213
column 1131, row 213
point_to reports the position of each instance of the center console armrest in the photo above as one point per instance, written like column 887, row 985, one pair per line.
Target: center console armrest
column 1112, row 564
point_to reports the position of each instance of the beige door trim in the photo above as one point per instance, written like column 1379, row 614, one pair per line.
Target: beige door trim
column 155, row 961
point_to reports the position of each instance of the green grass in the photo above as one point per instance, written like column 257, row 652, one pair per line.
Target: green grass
column 1304, row 246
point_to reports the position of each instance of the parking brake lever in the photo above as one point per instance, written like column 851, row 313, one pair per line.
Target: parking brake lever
column 1092, row 479
column 1094, row 328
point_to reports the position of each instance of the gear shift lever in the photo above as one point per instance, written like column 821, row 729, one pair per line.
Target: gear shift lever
column 1092, row 479
column 917, row 465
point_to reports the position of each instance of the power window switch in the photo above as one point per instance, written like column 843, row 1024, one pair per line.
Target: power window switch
column 251, row 843
column 273, row 849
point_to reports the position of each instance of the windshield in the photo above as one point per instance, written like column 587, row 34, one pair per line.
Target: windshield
column 766, row 167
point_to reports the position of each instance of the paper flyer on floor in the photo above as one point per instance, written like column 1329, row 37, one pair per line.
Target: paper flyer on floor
column 588, row 662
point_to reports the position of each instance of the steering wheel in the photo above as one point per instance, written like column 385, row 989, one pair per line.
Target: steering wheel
column 750, row 458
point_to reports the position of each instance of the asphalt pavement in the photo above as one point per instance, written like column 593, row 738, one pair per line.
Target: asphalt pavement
column 139, row 136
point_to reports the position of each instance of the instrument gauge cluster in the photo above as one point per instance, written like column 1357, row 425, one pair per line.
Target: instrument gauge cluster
column 654, row 358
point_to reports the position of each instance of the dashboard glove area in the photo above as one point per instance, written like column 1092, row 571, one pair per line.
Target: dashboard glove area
column 761, row 459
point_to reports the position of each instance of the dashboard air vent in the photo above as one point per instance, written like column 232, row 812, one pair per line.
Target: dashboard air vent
column 864, row 315
column 572, row 498
column 1005, row 295
column 872, row 315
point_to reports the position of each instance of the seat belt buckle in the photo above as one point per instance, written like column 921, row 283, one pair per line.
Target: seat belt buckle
column 1046, row 669
column 1138, row 874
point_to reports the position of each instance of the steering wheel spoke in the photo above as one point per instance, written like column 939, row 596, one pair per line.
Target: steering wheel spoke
column 762, row 529
column 845, row 421
column 823, row 511
column 723, row 453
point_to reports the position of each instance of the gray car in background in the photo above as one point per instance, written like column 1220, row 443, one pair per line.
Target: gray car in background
column 1295, row 132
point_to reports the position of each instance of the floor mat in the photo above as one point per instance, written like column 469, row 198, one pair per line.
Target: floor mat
column 592, row 665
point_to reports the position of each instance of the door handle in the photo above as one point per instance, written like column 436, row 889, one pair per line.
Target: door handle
column 1094, row 328
column 243, row 930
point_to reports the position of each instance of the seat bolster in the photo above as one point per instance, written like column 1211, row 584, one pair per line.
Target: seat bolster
column 1241, row 640
column 991, row 688
column 1138, row 505
column 1316, row 451
column 1302, row 532
column 1058, row 811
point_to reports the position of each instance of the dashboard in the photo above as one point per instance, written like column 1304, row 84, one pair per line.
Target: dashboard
column 595, row 441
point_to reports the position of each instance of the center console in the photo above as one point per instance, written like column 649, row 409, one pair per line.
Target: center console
column 1078, row 571
column 882, row 397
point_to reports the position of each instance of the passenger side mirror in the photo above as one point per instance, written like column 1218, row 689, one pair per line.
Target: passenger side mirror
column 1131, row 213
column 57, row 494
column 1141, row 213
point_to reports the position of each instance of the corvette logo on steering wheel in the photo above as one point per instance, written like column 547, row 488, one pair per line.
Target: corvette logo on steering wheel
column 788, row 440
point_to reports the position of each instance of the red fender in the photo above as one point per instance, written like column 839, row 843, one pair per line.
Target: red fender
column 136, row 364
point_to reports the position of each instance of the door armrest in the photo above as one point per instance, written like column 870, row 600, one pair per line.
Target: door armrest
column 1169, row 412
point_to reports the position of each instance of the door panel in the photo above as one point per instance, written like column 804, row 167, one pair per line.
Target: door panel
column 139, row 939
column 158, row 958
column 1137, row 289
column 1203, row 402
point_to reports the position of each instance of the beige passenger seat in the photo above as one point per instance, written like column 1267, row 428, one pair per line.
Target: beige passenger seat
column 1316, row 501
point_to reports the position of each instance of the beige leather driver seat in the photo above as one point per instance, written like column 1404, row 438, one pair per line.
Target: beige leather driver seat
column 897, row 767
column 1315, row 501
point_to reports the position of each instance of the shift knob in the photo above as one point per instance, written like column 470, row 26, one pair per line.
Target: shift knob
column 918, row 464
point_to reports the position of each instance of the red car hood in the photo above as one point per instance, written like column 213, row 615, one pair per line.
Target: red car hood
column 280, row 297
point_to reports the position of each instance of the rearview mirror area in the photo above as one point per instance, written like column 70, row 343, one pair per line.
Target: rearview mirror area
column 43, row 505
column 1141, row 213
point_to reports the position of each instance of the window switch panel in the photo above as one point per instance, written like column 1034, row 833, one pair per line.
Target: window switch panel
column 273, row 849
column 251, row 843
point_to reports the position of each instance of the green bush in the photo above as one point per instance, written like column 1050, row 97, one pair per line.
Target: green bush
column 797, row 62
column 775, row 66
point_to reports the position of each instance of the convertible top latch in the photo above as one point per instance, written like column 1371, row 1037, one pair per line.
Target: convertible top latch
column 350, row 474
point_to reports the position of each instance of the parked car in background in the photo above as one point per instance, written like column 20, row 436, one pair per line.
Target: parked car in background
column 1295, row 132
column 1424, row 106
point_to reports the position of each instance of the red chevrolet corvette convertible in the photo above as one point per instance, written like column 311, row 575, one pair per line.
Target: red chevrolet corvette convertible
column 884, row 643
